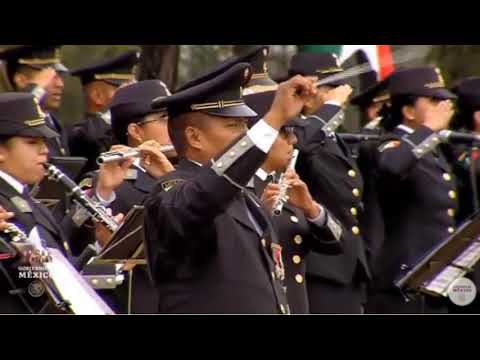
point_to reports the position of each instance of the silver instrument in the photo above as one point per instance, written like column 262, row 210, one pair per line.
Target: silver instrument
column 113, row 156
column 282, row 196
column 96, row 211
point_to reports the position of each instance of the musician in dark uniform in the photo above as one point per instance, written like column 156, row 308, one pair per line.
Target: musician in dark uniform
column 23, row 153
column 465, row 161
column 303, row 225
column 93, row 135
column 208, row 255
column 370, row 103
column 417, row 189
column 128, row 183
column 336, row 284
column 38, row 69
column 134, row 123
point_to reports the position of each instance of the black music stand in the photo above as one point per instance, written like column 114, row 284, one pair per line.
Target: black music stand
column 126, row 245
column 51, row 193
column 455, row 257
column 127, row 248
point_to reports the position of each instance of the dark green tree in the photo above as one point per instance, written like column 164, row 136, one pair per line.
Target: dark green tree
column 160, row 62
column 456, row 61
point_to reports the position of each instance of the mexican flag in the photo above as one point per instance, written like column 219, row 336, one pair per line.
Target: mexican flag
column 379, row 56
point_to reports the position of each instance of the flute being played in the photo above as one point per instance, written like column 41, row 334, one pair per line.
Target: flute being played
column 113, row 156
column 282, row 199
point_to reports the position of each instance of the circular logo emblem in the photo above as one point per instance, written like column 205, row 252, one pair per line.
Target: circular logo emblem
column 462, row 292
column 36, row 289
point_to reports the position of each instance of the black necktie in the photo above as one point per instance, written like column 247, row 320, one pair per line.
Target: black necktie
column 271, row 178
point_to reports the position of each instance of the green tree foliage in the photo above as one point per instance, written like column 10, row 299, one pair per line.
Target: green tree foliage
column 456, row 61
column 197, row 59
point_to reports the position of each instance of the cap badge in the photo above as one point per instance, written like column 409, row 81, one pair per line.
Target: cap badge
column 37, row 106
column 440, row 77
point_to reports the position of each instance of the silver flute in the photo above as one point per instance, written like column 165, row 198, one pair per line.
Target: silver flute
column 113, row 156
column 96, row 211
column 282, row 196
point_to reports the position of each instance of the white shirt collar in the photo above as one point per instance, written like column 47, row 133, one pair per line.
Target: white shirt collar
column 19, row 187
column 406, row 128
column 262, row 174
column 373, row 124
column 107, row 117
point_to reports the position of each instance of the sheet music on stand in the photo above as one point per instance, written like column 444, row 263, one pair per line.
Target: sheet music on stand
column 126, row 245
column 64, row 285
column 454, row 258
column 81, row 297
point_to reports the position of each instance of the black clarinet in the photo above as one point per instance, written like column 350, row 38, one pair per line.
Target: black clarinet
column 96, row 211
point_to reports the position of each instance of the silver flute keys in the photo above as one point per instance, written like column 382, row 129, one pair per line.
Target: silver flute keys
column 282, row 196
column 113, row 156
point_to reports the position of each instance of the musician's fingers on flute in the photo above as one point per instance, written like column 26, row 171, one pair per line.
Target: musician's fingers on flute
column 151, row 143
column 111, row 176
column 293, row 181
column 270, row 195
column 272, row 190
column 125, row 164
column 110, row 169
column 293, row 184
column 291, row 174
column 151, row 148
column 154, row 160
column 120, row 148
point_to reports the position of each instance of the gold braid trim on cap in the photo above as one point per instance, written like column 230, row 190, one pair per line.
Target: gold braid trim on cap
column 217, row 105
column 114, row 76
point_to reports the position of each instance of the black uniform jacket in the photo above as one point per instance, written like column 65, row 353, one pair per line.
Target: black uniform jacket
column 89, row 138
column 299, row 237
column 419, row 200
column 205, row 253
column 335, row 181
